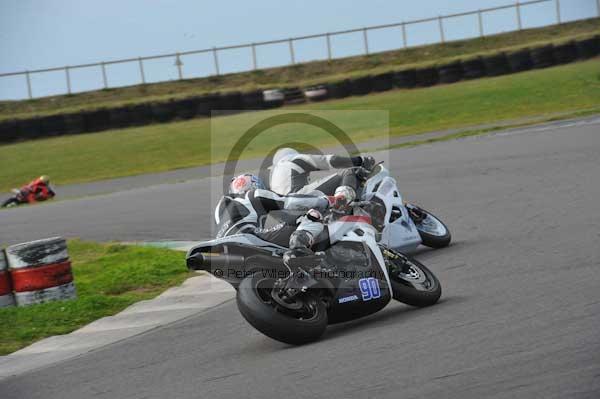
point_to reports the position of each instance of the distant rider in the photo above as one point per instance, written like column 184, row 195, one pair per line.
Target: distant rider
column 36, row 191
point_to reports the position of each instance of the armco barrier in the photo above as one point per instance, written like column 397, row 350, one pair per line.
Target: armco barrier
column 543, row 57
column 6, row 295
column 40, row 271
column 520, row 60
column 143, row 114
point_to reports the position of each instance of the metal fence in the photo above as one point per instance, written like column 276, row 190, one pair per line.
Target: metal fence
column 215, row 51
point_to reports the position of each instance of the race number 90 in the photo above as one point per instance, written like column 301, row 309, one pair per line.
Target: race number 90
column 369, row 288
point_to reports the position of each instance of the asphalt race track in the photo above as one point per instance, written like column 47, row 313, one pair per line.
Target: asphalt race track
column 519, row 315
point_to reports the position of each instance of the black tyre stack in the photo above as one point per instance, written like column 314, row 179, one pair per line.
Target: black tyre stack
column 588, row 48
column 427, row 76
column 97, row 120
column 520, row 60
column 383, row 82
column 9, row 131
column 450, row 73
column 496, row 64
column 543, row 57
column 565, row 53
column 339, row 89
column 361, row 86
column 473, row 68
column 252, row 100
column 406, row 79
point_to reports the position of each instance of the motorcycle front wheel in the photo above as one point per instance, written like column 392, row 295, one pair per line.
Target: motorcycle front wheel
column 306, row 323
column 412, row 282
column 9, row 203
column 434, row 233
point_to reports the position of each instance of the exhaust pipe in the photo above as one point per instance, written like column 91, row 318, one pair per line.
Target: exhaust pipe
column 210, row 262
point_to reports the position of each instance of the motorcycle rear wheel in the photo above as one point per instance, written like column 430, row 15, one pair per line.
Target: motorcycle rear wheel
column 263, row 313
column 412, row 282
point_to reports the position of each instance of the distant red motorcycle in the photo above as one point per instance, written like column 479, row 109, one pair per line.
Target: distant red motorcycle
column 36, row 191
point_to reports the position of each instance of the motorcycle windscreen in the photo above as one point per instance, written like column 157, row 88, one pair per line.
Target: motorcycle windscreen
column 227, row 213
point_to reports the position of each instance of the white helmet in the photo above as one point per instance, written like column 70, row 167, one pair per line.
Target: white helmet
column 284, row 154
column 243, row 183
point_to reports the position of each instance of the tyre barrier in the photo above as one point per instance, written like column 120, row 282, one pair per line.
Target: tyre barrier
column 163, row 112
column 40, row 271
column 119, row 117
column 450, row 73
column 252, row 100
column 316, row 93
column 473, row 68
column 53, row 125
column 96, row 121
column 565, row 53
column 9, row 131
column 361, row 86
column 6, row 295
column 74, row 123
column 588, row 48
column 186, row 109
column 29, row 128
column 406, row 79
column 293, row 95
column 231, row 101
column 520, row 60
column 496, row 64
column 207, row 104
column 427, row 76
column 383, row 82
column 340, row 89
column 543, row 57
column 140, row 114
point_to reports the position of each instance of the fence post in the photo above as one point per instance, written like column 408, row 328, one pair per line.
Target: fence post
column 216, row 60
column 598, row 6
column 558, row 11
column 292, row 56
column 178, row 63
column 441, row 23
column 28, row 79
column 328, row 37
column 366, row 41
column 480, row 17
column 254, row 57
column 519, row 22
column 68, row 76
column 104, row 75
column 141, row 63
column 404, row 40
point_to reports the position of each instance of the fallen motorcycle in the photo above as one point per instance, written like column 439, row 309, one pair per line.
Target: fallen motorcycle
column 18, row 198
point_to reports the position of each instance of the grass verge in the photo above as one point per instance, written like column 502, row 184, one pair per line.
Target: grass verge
column 83, row 158
column 108, row 278
column 301, row 74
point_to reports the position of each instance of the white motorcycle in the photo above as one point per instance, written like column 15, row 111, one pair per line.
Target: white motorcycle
column 359, row 272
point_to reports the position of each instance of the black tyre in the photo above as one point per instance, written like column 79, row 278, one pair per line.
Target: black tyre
column 383, row 82
column 543, row 57
column 9, row 203
column 588, row 48
column 339, row 89
column 520, row 60
column 434, row 233
column 297, row 327
column 362, row 85
column 412, row 282
column 427, row 77
column 406, row 79
column 496, row 64
column 450, row 73
column 473, row 68
column 565, row 53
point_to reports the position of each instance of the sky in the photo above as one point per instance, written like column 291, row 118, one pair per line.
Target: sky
column 37, row 34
